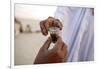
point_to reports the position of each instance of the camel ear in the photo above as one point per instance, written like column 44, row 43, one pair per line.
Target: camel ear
column 43, row 27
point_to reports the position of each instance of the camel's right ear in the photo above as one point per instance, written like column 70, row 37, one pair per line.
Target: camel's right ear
column 43, row 27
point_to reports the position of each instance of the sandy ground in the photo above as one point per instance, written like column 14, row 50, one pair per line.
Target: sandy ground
column 26, row 47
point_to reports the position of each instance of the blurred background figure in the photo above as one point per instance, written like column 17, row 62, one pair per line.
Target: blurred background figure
column 28, row 29
column 18, row 27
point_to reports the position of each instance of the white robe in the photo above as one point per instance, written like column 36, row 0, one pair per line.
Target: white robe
column 78, row 32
